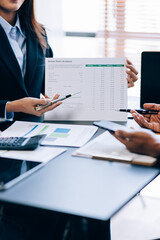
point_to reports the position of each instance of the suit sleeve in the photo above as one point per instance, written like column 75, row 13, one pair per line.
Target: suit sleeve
column 2, row 108
column 4, row 116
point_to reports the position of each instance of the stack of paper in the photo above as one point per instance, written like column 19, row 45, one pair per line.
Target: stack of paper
column 40, row 154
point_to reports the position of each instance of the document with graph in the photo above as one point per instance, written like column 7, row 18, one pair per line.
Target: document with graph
column 57, row 134
column 100, row 82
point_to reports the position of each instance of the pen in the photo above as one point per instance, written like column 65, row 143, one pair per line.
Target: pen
column 142, row 111
column 39, row 107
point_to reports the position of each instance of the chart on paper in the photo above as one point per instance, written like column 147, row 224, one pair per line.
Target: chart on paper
column 101, row 82
column 45, row 129
column 56, row 134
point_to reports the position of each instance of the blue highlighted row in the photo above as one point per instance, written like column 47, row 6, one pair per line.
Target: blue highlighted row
column 62, row 130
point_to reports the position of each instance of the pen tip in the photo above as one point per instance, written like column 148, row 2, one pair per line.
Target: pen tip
column 76, row 93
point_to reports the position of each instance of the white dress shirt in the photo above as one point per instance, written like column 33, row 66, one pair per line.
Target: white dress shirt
column 17, row 41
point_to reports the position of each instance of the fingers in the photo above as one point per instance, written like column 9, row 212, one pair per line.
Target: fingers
column 130, row 83
column 144, row 123
column 140, row 120
column 123, row 137
column 145, row 116
column 56, row 97
column 152, row 106
column 45, row 101
column 53, row 106
column 40, row 101
column 124, row 141
column 131, row 78
column 132, row 74
column 123, row 134
column 132, row 68
column 129, row 62
column 46, row 96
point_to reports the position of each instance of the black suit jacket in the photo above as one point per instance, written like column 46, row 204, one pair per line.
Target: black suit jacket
column 12, row 85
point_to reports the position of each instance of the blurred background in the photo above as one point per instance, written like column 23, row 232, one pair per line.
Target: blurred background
column 102, row 28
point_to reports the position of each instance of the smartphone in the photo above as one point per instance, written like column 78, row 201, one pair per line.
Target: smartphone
column 110, row 126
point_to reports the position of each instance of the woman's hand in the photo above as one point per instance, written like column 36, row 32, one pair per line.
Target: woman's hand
column 27, row 105
column 140, row 142
column 131, row 74
column 151, row 121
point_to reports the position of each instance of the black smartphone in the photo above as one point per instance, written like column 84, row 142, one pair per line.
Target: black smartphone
column 110, row 126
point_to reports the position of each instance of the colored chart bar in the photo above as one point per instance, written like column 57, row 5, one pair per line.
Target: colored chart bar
column 31, row 130
column 43, row 130
column 60, row 133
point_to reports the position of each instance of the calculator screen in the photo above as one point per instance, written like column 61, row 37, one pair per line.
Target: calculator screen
column 11, row 171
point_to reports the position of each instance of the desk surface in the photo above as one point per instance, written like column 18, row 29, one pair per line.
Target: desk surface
column 79, row 186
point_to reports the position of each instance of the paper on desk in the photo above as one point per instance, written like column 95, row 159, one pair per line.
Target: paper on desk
column 57, row 134
column 152, row 189
column 40, row 154
column 108, row 147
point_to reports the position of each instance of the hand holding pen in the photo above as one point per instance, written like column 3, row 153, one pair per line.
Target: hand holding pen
column 48, row 106
column 53, row 101
column 49, row 103
column 150, row 119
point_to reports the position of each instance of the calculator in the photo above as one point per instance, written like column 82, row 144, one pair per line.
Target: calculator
column 21, row 143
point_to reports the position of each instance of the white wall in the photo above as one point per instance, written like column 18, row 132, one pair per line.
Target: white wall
column 49, row 13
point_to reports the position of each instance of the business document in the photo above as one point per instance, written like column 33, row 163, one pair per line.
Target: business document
column 40, row 154
column 101, row 82
column 57, row 134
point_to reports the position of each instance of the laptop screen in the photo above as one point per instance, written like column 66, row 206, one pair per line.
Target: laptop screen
column 150, row 78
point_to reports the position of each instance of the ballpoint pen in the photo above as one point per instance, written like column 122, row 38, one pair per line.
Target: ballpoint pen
column 39, row 107
column 141, row 111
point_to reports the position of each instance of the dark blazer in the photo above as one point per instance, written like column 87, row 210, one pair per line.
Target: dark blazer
column 12, row 85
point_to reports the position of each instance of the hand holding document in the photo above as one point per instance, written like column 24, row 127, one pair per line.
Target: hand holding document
column 107, row 147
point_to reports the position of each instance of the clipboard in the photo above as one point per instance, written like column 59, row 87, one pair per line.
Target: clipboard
column 107, row 147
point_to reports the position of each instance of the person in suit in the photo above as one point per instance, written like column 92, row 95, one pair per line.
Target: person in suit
column 23, row 48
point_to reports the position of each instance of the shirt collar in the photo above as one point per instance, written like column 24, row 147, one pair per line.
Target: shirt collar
column 7, row 27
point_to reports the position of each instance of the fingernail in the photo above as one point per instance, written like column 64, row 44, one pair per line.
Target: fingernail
column 117, row 133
